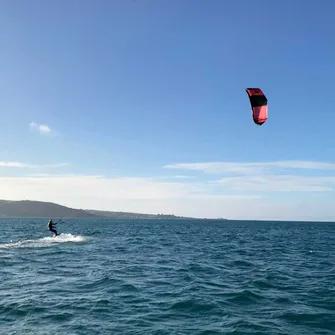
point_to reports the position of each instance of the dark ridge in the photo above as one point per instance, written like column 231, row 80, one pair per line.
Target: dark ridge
column 30, row 208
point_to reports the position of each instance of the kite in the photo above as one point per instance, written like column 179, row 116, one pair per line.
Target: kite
column 259, row 105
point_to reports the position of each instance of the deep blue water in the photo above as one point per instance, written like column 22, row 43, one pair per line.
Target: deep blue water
column 167, row 277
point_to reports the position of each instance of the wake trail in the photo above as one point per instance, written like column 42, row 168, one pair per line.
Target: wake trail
column 45, row 241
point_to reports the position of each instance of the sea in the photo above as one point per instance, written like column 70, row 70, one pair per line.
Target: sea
column 160, row 277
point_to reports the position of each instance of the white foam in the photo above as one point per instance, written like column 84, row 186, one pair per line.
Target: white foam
column 45, row 241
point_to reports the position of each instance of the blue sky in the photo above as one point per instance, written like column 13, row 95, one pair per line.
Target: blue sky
column 134, row 95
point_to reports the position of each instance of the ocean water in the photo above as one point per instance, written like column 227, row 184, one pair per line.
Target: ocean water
column 167, row 277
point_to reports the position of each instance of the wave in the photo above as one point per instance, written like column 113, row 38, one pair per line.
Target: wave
column 44, row 241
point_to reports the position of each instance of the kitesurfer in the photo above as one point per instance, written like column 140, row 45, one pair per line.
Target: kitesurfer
column 51, row 227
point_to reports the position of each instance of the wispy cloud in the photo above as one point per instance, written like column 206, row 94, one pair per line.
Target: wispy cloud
column 146, row 195
column 241, row 190
column 10, row 164
column 176, row 177
column 277, row 176
column 250, row 168
column 273, row 183
column 120, row 188
column 13, row 164
column 43, row 129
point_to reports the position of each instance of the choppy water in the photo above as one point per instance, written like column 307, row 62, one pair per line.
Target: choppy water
column 167, row 277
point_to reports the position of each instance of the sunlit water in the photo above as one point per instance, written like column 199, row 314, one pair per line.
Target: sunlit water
column 167, row 277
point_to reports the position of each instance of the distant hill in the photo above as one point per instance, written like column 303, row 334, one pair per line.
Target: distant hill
column 30, row 208
column 129, row 215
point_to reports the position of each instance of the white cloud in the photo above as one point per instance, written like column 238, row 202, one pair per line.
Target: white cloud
column 13, row 164
column 250, row 168
column 146, row 195
column 56, row 165
column 176, row 177
column 274, row 183
column 43, row 129
column 27, row 165
column 143, row 195
column 244, row 191
column 265, row 176
column 111, row 188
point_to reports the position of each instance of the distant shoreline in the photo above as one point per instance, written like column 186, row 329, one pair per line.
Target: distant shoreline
column 41, row 209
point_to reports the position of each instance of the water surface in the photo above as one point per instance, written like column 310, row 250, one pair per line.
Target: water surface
column 167, row 277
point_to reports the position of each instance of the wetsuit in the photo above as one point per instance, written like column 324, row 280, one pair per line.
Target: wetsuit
column 52, row 228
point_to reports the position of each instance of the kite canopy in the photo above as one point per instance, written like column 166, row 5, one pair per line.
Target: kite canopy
column 259, row 105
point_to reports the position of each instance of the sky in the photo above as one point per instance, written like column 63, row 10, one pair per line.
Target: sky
column 140, row 105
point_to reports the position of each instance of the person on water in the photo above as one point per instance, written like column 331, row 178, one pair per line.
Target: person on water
column 51, row 227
